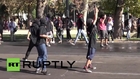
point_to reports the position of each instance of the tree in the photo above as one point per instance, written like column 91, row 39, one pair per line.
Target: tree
column 41, row 4
column 85, row 10
column 117, row 18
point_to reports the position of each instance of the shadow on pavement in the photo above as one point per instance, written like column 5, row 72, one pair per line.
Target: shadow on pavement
column 3, row 59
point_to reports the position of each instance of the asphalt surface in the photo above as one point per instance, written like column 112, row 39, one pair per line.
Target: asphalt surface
column 116, row 61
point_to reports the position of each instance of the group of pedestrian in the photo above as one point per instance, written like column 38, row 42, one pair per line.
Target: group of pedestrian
column 39, row 37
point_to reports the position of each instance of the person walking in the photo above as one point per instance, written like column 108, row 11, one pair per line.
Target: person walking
column 41, row 47
column 80, row 27
column 138, row 28
column 69, row 25
column 1, row 31
column 92, row 31
column 129, row 27
column 60, row 29
column 32, row 37
column 12, row 27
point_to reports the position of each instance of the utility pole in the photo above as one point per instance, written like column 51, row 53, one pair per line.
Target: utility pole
column 67, row 8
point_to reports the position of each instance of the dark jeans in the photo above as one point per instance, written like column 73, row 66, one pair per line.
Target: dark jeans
column 60, row 34
column 138, row 32
column 110, row 34
column 68, row 34
column 31, row 45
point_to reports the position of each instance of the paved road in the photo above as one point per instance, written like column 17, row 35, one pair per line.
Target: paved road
column 118, row 61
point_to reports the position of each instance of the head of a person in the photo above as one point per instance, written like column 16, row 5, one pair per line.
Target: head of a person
column 103, row 16
column 130, row 16
column 11, row 20
column 109, row 18
column 43, row 21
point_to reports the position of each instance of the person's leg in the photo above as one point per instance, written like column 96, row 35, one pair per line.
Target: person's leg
column 39, row 59
column 102, row 38
column 0, row 39
column 106, row 37
column 89, row 57
column 84, row 34
column 77, row 36
column 112, row 35
column 128, row 34
column 12, row 35
column 109, row 34
column 31, row 45
column 43, row 56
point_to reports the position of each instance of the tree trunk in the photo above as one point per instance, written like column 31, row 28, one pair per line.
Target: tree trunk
column 41, row 4
column 117, row 18
column 29, row 16
column 85, row 10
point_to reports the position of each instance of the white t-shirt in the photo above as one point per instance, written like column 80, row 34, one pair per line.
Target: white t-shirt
column 109, row 25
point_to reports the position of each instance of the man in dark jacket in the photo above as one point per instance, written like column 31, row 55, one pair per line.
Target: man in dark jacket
column 1, row 31
column 32, row 37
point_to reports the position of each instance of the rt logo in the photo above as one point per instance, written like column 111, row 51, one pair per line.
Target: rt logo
column 13, row 64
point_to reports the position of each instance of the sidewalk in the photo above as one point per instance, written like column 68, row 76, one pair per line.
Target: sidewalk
column 26, row 32
column 73, row 32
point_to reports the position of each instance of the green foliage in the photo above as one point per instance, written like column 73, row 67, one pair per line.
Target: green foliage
column 108, row 6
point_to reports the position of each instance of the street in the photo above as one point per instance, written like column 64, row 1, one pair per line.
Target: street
column 117, row 61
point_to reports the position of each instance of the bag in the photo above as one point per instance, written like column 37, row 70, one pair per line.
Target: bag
column 15, row 29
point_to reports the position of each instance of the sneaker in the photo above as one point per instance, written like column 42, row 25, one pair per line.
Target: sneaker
column 38, row 70
column 24, row 59
column 48, row 45
column 102, row 45
column 106, row 44
column 52, row 42
column 88, row 70
column 44, row 72
column 72, row 43
column 60, row 42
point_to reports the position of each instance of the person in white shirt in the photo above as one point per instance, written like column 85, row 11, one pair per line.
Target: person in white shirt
column 110, row 28
column 129, row 27
column 12, row 26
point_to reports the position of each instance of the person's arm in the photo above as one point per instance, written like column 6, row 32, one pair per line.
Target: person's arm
column 95, row 15
column 42, row 33
column 28, row 35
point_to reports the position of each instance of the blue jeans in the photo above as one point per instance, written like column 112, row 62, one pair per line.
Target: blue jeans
column 90, row 53
column 128, row 34
column 42, row 55
column 81, row 31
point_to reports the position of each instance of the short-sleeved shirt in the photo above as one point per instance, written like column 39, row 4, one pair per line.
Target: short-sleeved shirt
column 92, row 30
column 34, row 33
column 102, row 25
column 42, row 31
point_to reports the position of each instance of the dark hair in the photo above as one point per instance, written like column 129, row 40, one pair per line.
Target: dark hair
column 130, row 16
column 102, row 16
